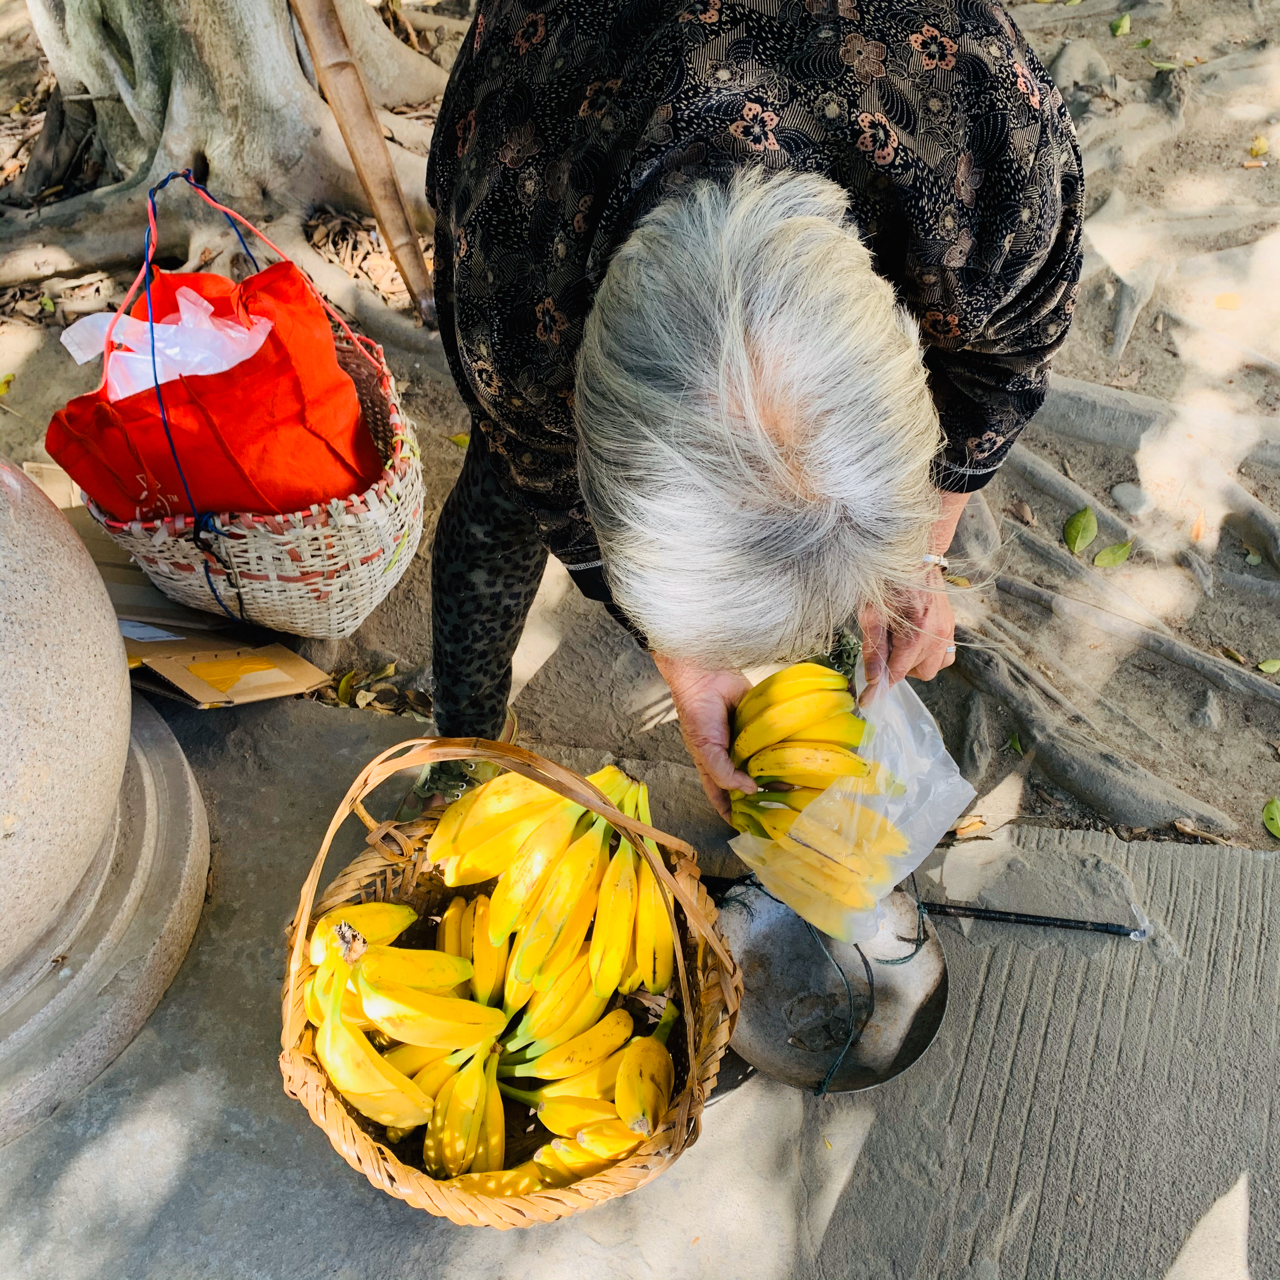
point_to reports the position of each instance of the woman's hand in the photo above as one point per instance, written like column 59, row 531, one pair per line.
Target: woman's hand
column 919, row 646
column 703, row 701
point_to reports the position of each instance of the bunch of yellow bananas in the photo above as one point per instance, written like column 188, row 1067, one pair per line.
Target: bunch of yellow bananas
column 521, row 983
column 795, row 733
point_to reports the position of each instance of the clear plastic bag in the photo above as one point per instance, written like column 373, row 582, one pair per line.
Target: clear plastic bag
column 193, row 341
column 849, row 846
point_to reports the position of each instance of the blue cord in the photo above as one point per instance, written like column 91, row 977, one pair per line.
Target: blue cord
column 204, row 523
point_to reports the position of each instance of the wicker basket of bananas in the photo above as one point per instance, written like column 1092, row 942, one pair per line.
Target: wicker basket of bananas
column 467, row 1007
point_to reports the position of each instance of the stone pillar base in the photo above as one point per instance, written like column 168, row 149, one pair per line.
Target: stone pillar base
column 81, row 994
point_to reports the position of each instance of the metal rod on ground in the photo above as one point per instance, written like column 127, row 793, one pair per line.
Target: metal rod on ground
column 1049, row 922
column 348, row 98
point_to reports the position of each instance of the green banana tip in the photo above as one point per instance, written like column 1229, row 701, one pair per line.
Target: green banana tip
column 666, row 1022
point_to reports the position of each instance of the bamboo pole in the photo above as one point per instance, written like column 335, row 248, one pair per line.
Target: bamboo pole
column 348, row 98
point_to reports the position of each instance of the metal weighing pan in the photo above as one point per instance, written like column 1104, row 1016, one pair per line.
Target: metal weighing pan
column 794, row 1017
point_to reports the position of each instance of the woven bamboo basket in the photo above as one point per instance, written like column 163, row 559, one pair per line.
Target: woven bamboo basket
column 394, row 869
column 318, row 572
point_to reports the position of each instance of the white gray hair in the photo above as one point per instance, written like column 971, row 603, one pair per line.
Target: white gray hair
column 755, row 427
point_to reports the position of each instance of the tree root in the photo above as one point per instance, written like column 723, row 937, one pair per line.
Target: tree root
column 1218, row 671
column 1246, row 582
column 1114, row 600
column 1049, row 480
column 975, row 752
column 1117, row 788
column 1029, row 645
column 1253, row 520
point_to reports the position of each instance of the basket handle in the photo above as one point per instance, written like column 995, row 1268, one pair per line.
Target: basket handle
column 564, row 782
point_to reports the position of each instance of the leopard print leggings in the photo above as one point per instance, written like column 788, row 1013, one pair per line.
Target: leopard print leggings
column 486, row 564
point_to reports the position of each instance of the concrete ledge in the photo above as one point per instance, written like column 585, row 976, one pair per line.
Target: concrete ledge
column 94, row 994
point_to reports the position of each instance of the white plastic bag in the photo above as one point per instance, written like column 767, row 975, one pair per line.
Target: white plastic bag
column 191, row 342
column 890, row 820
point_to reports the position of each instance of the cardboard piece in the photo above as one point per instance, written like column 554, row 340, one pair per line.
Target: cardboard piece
column 194, row 670
column 54, row 482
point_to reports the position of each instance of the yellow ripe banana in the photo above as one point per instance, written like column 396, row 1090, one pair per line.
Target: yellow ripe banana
column 577, row 870
column 417, row 1017
column 371, row 1084
column 549, row 1010
column 441, row 844
column 612, row 933
column 464, row 1116
column 843, row 730
column 519, row 885
column 497, row 804
column 654, row 942
column 495, row 855
column 801, row 677
column 413, row 1058
column 519, row 1181
column 373, row 921
column 515, row 995
column 807, row 764
column 569, row 943
column 433, row 1141
column 491, row 1153
column 596, row 1082
column 489, row 961
column 581, row 1019
column 580, row 1162
column 424, row 970
column 552, row 1169
column 776, row 821
column 609, row 1139
column 449, row 930
column 435, row 1075
column 786, row 718
column 646, row 1077
column 581, row 1053
column 565, row 1116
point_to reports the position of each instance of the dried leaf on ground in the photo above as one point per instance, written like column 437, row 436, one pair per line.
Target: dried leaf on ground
column 363, row 698
column 1080, row 530
column 1022, row 511
column 354, row 243
column 1259, row 146
column 1271, row 816
column 1113, row 555
column 1234, row 656
column 1198, row 528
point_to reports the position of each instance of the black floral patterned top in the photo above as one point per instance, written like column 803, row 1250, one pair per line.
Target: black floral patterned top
column 566, row 122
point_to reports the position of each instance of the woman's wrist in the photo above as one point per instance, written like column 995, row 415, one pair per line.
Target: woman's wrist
column 943, row 529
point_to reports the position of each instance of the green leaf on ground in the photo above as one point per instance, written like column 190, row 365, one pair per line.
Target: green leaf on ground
column 6, row 382
column 1120, row 25
column 1142, row 44
column 1270, row 666
column 1015, row 745
column 1252, row 556
column 1271, row 816
column 1164, row 66
column 1113, row 555
column 1080, row 530
column 1067, row 4
column 462, row 439
column 46, row 304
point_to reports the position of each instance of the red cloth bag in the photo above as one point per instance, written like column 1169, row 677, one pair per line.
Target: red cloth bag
column 275, row 433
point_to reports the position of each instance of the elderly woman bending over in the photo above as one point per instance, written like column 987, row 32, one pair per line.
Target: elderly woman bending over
column 745, row 299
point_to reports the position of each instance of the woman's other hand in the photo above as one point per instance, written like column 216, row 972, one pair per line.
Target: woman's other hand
column 704, row 700
column 918, row 646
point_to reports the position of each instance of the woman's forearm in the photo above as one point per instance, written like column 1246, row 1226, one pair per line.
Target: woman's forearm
column 944, row 527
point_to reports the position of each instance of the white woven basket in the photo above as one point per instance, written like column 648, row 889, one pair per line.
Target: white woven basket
column 318, row 572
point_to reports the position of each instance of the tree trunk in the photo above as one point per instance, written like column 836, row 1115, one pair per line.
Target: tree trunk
column 222, row 87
